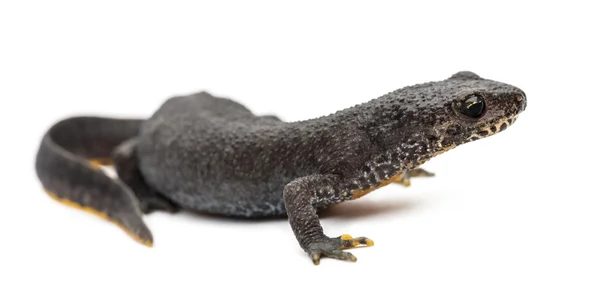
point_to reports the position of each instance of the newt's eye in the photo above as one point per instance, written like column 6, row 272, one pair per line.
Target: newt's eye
column 473, row 107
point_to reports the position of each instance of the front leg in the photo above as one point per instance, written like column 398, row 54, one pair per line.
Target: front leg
column 301, row 197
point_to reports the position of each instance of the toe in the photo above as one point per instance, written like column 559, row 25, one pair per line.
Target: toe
column 348, row 243
column 340, row 255
column 420, row 172
column 316, row 257
column 332, row 248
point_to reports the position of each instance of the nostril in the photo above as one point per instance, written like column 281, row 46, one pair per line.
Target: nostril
column 521, row 101
column 523, row 104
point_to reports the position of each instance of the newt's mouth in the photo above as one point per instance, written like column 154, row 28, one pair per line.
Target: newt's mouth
column 492, row 128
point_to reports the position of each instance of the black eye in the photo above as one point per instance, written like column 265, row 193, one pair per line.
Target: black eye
column 473, row 107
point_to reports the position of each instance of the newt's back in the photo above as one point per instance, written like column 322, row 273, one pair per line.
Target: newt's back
column 212, row 154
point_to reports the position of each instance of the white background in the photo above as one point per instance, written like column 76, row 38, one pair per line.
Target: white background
column 517, row 213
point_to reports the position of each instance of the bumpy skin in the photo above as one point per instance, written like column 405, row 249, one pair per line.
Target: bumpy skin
column 213, row 155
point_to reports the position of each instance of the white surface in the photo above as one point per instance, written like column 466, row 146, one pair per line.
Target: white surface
column 517, row 213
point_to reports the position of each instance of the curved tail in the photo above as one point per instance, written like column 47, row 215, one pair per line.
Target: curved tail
column 64, row 169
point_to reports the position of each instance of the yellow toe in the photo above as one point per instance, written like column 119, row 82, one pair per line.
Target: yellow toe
column 346, row 237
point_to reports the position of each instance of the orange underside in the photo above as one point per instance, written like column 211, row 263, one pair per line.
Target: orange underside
column 359, row 193
column 99, row 214
column 97, row 163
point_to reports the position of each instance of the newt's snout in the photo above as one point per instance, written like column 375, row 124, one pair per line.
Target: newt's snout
column 503, row 113
column 522, row 101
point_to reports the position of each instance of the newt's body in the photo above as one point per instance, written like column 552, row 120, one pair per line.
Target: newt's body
column 210, row 154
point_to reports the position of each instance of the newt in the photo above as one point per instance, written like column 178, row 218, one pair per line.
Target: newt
column 209, row 154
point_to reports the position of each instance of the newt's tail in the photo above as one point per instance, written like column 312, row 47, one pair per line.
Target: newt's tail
column 65, row 168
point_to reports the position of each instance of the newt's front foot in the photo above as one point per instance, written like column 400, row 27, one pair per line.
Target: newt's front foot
column 332, row 248
column 404, row 180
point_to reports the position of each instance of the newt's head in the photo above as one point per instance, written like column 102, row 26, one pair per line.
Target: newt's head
column 427, row 119
column 472, row 108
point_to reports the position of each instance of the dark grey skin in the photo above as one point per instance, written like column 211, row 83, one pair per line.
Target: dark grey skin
column 208, row 154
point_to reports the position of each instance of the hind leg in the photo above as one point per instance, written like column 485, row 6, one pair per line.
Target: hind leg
column 126, row 166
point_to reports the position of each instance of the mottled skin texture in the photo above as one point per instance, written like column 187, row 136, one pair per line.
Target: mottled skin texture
column 212, row 155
